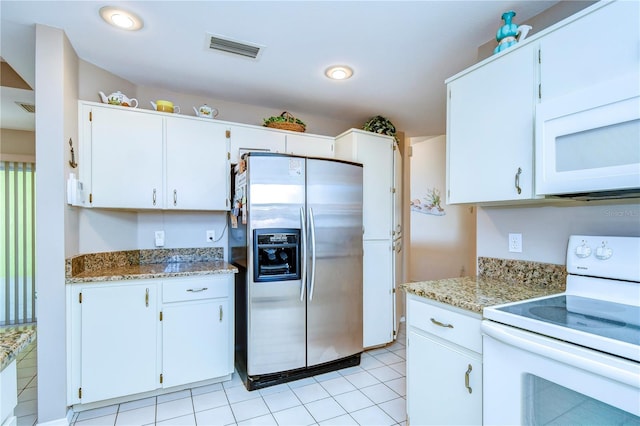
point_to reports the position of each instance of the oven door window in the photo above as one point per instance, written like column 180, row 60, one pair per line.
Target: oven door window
column 548, row 403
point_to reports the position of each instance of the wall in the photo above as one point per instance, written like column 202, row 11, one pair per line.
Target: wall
column 546, row 229
column 441, row 246
column 56, row 79
column 110, row 230
column 539, row 22
column 17, row 145
column 239, row 113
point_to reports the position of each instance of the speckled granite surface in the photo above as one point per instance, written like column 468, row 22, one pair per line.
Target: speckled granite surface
column 142, row 264
column 500, row 281
column 13, row 339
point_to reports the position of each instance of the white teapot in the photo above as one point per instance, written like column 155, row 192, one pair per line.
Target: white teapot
column 118, row 98
column 206, row 111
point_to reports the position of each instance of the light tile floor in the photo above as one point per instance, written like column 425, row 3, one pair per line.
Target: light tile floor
column 27, row 408
column 373, row 393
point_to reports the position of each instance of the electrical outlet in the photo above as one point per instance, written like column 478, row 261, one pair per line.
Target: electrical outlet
column 515, row 243
column 159, row 236
column 211, row 236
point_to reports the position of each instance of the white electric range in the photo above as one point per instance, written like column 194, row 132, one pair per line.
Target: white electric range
column 570, row 358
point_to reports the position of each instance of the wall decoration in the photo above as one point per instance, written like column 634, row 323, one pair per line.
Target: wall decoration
column 430, row 203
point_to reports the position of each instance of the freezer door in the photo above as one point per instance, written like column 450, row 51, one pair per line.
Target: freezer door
column 276, row 334
column 334, row 273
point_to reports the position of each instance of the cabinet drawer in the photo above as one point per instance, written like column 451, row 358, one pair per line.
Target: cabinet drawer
column 178, row 290
column 447, row 324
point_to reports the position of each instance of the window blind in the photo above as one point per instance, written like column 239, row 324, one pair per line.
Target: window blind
column 17, row 242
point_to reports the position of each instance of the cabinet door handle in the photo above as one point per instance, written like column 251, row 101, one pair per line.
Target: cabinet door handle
column 175, row 197
column 197, row 290
column 517, row 183
column 466, row 379
column 436, row 322
column 154, row 196
column 146, row 298
column 220, row 308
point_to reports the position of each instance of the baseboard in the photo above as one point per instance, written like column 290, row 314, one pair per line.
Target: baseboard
column 58, row 422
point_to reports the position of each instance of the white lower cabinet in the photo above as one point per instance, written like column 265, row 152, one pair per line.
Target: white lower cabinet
column 136, row 337
column 378, row 301
column 118, row 341
column 197, row 321
column 444, row 364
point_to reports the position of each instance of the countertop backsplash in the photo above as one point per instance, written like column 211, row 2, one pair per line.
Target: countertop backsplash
column 118, row 259
column 522, row 272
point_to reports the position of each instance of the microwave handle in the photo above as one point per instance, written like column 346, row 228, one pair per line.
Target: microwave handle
column 517, row 182
column 303, row 244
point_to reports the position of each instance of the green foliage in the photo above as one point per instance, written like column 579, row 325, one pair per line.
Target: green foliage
column 380, row 125
column 283, row 118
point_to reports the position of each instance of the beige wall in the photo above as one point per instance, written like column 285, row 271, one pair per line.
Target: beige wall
column 94, row 79
column 56, row 79
column 440, row 246
column 539, row 22
column 17, row 145
column 545, row 229
column 108, row 230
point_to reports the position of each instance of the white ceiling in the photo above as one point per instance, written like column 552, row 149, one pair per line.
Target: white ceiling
column 401, row 51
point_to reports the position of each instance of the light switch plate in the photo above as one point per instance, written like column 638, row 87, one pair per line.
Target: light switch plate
column 159, row 235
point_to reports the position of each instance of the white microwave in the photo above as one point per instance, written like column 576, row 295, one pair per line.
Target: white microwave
column 587, row 143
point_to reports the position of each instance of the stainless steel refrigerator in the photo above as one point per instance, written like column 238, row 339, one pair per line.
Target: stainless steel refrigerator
column 296, row 236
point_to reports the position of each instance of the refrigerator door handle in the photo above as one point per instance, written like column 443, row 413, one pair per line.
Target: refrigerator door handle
column 312, row 226
column 303, row 244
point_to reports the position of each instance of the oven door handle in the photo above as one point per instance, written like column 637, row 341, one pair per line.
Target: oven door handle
column 575, row 356
column 303, row 244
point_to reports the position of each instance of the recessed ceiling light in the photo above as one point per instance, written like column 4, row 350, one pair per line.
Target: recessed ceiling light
column 121, row 18
column 339, row 72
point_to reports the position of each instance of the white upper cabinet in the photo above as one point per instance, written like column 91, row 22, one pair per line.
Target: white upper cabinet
column 244, row 138
column 491, row 106
column 136, row 159
column 490, row 130
column 601, row 45
column 375, row 153
column 197, row 171
column 310, row 145
column 126, row 158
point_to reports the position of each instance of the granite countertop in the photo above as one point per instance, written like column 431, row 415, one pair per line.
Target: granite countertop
column 500, row 281
column 145, row 264
column 14, row 339
column 475, row 293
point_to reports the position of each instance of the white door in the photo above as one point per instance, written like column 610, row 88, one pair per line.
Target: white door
column 310, row 145
column 126, row 159
column 565, row 68
column 119, row 342
column 197, row 166
column 490, row 130
column 444, row 384
column 378, row 301
column 398, row 240
column 194, row 353
column 245, row 139
column 376, row 154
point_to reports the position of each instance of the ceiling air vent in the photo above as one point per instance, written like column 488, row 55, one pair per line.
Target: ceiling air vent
column 235, row 47
column 27, row 107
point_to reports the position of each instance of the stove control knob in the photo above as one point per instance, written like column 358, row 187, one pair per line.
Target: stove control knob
column 603, row 252
column 583, row 250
